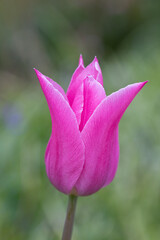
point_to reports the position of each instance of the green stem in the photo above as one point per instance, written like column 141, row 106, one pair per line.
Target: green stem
column 68, row 226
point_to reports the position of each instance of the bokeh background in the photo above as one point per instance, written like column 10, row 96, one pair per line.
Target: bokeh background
column 50, row 35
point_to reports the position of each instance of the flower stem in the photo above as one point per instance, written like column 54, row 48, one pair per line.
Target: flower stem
column 68, row 226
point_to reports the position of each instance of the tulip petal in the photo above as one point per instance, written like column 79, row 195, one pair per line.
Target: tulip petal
column 94, row 93
column 75, row 91
column 55, row 85
column 94, row 70
column 100, row 137
column 99, row 77
column 74, row 84
column 64, row 156
column 81, row 60
column 78, row 102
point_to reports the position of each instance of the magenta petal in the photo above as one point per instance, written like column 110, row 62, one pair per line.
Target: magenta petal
column 94, row 70
column 100, row 137
column 75, row 91
column 94, row 93
column 75, row 84
column 81, row 60
column 64, row 156
column 42, row 77
column 78, row 102
column 99, row 77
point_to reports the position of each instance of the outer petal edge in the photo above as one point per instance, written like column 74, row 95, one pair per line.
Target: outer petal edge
column 64, row 156
column 100, row 137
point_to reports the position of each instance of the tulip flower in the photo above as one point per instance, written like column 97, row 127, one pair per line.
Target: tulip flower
column 83, row 151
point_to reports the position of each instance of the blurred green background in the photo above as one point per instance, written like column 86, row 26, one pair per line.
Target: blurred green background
column 50, row 35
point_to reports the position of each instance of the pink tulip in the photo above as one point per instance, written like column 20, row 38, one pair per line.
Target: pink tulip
column 83, row 151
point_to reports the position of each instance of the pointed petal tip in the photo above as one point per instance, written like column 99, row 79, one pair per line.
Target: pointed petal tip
column 137, row 86
column 81, row 60
column 146, row 81
column 142, row 84
column 38, row 73
column 42, row 79
column 95, row 59
column 97, row 67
